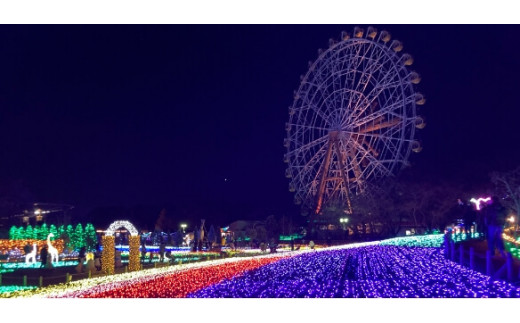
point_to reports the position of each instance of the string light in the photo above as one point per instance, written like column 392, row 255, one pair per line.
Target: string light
column 8, row 246
column 108, row 254
column 134, row 257
column 479, row 200
column 399, row 267
column 76, row 288
column 119, row 224
column 366, row 272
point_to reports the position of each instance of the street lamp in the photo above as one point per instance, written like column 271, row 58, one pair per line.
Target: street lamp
column 343, row 222
column 183, row 226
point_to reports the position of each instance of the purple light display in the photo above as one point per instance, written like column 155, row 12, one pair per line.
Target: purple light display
column 374, row 271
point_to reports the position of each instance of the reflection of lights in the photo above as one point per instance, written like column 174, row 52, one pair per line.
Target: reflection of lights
column 479, row 200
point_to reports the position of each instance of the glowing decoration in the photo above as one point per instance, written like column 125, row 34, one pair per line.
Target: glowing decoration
column 134, row 257
column 90, row 237
column 8, row 246
column 479, row 200
column 120, row 224
column 89, row 256
column 103, row 283
column 109, row 246
column 53, row 252
column 31, row 256
column 431, row 240
column 108, row 255
column 366, row 272
column 78, row 237
column 5, row 291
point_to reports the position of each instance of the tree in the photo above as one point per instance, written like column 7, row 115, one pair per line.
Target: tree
column 507, row 186
column 13, row 233
column 78, row 237
column 90, row 237
column 29, row 233
column 44, row 232
column 67, row 236
column 36, row 232
column 20, row 233
column 272, row 228
column 53, row 230
column 212, row 238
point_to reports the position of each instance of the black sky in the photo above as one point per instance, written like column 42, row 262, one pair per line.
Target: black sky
column 114, row 115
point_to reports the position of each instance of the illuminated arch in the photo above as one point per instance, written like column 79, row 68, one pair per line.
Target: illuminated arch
column 108, row 239
column 121, row 224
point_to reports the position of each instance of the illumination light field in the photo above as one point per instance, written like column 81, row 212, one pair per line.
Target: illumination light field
column 366, row 272
column 400, row 267
column 75, row 288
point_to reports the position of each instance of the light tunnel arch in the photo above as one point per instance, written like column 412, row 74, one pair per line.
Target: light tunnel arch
column 108, row 256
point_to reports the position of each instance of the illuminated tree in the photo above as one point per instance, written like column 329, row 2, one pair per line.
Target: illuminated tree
column 53, row 230
column 507, row 186
column 29, row 232
column 68, row 237
column 90, row 237
column 20, row 233
column 12, row 233
column 78, row 237
column 44, row 232
column 36, row 232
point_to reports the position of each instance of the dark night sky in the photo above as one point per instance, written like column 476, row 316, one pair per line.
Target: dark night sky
column 100, row 116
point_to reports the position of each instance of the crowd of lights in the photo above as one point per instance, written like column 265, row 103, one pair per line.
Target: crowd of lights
column 365, row 272
column 388, row 268
column 11, row 266
column 174, row 285
column 430, row 240
column 121, row 224
column 15, row 247
column 108, row 254
column 7, row 290
column 76, row 288
column 134, row 257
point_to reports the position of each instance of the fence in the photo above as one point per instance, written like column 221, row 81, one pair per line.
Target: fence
column 481, row 262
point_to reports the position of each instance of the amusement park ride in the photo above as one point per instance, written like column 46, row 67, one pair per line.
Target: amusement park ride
column 353, row 119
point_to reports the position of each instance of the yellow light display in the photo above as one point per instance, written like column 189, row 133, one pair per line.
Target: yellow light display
column 6, row 245
column 108, row 255
column 134, row 256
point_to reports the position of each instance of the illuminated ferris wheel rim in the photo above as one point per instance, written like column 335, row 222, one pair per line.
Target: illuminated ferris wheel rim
column 380, row 140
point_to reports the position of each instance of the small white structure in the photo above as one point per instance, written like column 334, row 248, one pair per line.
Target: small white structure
column 31, row 256
column 53, row 252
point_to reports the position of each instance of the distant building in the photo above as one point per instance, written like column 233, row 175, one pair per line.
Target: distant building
column 39, row 213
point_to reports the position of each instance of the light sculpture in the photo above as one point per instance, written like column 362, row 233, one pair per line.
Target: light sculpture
column 31, row 256
column 479, row 200
column 108, row 241
column 53, row 252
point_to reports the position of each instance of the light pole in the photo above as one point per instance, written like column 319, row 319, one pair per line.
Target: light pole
column 183, row 226
column 344, row 222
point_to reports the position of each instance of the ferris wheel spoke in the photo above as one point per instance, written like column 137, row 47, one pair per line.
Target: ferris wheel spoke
column 373, row 160
column 378, row 126
column 353, row 119
column 376, row 117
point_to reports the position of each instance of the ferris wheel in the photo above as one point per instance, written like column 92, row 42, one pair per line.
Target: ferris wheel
column 353, row 118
